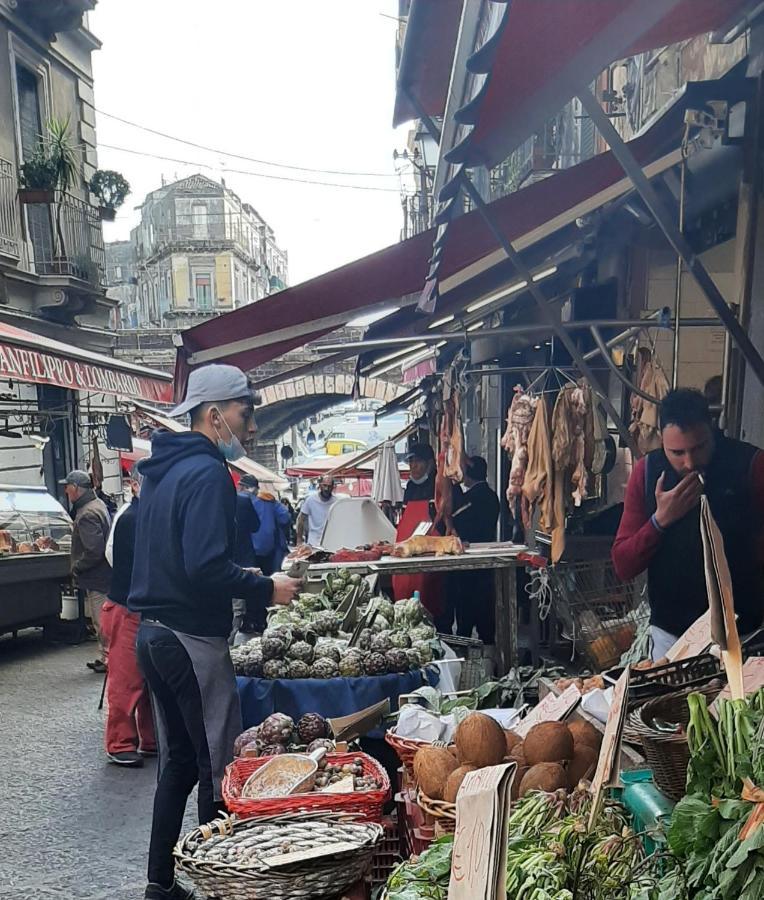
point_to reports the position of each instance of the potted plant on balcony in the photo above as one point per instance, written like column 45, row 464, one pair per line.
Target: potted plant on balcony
column 111, row 189
column 52, row 166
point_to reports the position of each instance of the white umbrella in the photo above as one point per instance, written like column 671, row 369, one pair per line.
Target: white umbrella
column 387, row 477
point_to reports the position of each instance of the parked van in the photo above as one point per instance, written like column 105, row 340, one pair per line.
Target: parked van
column 338, row 446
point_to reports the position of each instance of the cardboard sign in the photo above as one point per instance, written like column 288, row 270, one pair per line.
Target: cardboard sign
column 720, row 600
column 553, row 708
column 479, row 862
column 422, row 529
column 696, row 640
column 357, row 724
column 608, row 764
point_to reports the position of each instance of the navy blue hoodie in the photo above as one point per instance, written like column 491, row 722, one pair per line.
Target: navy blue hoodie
column 183, row 572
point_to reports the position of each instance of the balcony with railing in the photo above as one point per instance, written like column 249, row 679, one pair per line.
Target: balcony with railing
column 67, row 239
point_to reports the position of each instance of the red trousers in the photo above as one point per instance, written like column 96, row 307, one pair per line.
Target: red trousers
column 129, row 724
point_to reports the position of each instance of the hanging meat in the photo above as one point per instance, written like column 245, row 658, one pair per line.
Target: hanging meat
column 538, row 484
column 515, row 441
column 455, row 445
column 645, row 427
column 569, row 437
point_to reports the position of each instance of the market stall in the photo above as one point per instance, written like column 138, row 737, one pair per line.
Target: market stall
column 35, row 539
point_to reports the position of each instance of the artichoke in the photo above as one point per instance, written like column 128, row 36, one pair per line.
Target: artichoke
column 381, row 642
column 326, row 651
column 423, row 632
column 298, row 668
column 276, row 728
column 424, row 650
column 249, row 734
column 408, row 613
column 375, row 664
column 400, row 640
column 311, row 727
column 301, row 650
column 364, row 639
column 415, row 660
column 327, row 744
column 274, row 647
column 324, row 668
column 384, row 608
column 275, row 668
column 397, row 660
column 273, row 750
column 253, row 665
column 351, row 664
column 326, row 623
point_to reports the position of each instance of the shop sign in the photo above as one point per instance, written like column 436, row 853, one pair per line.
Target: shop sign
column 27, row 364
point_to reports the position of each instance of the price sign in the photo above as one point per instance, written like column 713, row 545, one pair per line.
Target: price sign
column 479, row 862
column 553, row 708
column 610, row 752
column 696, row 640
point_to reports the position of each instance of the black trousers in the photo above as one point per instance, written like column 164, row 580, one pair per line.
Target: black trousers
column 184, row 754
column 473, row 596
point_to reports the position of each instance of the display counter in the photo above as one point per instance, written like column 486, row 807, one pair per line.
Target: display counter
column 35, row 540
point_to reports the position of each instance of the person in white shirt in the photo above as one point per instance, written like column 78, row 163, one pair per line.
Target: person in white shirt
column 314, row 513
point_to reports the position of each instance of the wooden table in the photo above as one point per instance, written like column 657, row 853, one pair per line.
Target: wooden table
column 501, row 558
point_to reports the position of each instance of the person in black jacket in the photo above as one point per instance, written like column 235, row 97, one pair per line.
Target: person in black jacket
column 183, row 581
column 475, row 516
column 129, row 732
column 247, row 523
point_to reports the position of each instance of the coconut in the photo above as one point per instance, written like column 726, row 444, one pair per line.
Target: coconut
column 512, row 740
column 585, row 733
column 480, row 741
column 548, row 742
column 432, row 766
column 546, row 776
column 517, row 754
column 517, row 781
column 582, row 765
column 454, row 782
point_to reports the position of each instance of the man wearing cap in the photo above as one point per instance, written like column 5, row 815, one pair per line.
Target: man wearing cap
column 183, row 581
column 421, row 483
column 88, row 560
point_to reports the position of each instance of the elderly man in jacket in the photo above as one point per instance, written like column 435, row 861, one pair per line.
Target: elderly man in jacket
column 90, row 569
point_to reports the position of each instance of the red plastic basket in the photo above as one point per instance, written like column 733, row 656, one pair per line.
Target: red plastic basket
column 367, row 804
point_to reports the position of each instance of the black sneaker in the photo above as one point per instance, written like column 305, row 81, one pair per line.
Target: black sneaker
column 126, row 758
column 97, row 666
column 176, row 892
column 148, row 753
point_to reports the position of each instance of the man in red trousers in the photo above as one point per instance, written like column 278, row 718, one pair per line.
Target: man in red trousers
column 129, row 725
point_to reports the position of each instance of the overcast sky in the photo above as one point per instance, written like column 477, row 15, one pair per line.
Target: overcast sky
column 295, row 82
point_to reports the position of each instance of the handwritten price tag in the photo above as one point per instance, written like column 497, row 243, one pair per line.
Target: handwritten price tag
column 479, row 862
column 551, row 709
column 694, row 641
column 610, row 752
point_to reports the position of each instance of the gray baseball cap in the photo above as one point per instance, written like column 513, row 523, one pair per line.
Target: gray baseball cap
column 212, row 384
column 79, row 479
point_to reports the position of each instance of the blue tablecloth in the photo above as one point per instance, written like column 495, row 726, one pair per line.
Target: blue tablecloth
column 330, row 697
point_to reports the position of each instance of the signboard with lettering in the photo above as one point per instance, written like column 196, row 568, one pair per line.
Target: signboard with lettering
column 22, row 363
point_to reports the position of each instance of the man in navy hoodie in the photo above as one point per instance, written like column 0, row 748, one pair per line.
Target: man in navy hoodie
column 183, row 582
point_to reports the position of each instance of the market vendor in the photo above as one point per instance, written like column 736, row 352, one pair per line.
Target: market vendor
column 421, row 483
column 315, row 511
column 472, row 595
column 183, row 582
column 660, row 527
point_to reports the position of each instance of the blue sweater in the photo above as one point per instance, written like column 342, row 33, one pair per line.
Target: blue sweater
column 183, row 572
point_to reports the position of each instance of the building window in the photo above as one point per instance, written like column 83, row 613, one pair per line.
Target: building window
column 118, row 273
column 199, row 214
column 203, row 291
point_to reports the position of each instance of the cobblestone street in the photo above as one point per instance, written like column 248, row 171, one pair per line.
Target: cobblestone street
column 71, row 825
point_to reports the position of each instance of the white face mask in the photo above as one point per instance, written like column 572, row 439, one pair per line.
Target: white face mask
column 231, row 450
column 420, row 480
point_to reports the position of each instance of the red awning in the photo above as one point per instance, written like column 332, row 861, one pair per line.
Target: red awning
column 550, row 48
column 255, row 334
column 25, row 356
column 426, row 58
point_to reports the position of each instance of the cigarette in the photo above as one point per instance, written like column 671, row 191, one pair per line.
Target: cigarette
column 700, row 477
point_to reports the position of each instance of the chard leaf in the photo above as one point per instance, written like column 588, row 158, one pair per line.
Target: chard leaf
column 694, row 824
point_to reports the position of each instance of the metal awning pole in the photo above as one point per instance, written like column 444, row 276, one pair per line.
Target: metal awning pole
column 673, row 235
column 616, row 371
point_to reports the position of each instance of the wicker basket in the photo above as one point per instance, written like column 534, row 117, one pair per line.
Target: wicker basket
column 406, row 749
column 312, row 879
column 442, row 813
column 667, row 754
column 366, row 804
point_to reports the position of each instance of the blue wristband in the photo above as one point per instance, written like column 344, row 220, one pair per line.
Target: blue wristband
column 655, row 524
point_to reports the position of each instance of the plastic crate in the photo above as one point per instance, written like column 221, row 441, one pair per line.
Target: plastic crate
column 473, row 671
column 601, row 613
column 387, row 853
